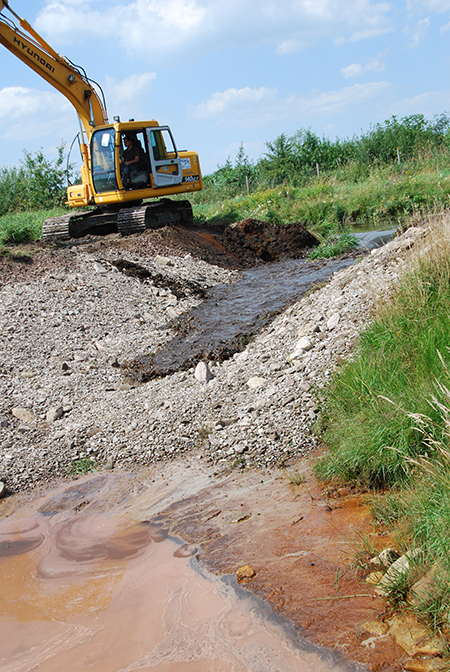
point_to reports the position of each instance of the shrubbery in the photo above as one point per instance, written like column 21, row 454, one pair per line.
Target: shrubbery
column 292, row 160
column 36, row 183
column 332, row 187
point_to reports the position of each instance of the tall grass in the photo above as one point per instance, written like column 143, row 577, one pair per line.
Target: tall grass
column 21, row 227
column 418, row 516
column 399, row 365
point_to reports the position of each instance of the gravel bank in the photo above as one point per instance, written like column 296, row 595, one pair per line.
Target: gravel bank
column 65, row 332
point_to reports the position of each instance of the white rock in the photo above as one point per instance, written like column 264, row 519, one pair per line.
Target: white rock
column 54, row 414
column 202, row 372
column 396, row 570
column 333, row 321
column 23, row 415
column 256, row 381
column 303, row 344
column 164, row 261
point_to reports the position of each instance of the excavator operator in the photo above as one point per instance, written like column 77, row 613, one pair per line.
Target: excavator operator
column 130, row 160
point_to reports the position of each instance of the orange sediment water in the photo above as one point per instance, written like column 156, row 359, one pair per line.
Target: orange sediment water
column 100, row 590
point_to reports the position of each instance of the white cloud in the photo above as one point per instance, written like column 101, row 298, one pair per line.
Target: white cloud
column 258, row 107
column 291, row 46
column 439, row 6
column 418, row 32
column 427, row 103
column 352, row 70
column 174, row 28
column 445, row 28
column 356, row 69
column 127, row 95
column 29, row 113
column 237, row 100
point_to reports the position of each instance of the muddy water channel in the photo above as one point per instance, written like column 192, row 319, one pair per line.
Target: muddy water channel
column 88, row 582
column 231, row 314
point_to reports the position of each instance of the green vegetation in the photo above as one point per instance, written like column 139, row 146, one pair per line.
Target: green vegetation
column 386, row 421
column 36, row 183
column 295, row 478
column 82, row 466
column 396, row 169
column 29, row 193
column 21, row 227
column 373, row 406
column 334, row 245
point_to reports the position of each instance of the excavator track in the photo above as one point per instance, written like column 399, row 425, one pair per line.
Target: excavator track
column 126, row 221
column 153, row 216
column 131, row 220
column 78, row 224
column 57, row 228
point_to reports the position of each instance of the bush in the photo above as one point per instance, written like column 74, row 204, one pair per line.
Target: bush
column 36, row 183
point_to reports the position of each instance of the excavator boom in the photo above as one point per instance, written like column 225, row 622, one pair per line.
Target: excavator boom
column 33, row 50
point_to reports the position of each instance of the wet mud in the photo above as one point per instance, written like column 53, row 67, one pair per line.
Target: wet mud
column 92, row 578
column 180, row 289
column 231, row 315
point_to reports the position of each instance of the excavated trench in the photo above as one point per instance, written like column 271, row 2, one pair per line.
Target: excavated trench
column 275, row 271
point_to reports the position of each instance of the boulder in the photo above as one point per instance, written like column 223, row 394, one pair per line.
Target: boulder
column 202, row 372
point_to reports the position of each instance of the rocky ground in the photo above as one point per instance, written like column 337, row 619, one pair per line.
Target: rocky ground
column 69, row 317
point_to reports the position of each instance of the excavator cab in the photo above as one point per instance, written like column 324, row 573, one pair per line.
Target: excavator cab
column 160, row 165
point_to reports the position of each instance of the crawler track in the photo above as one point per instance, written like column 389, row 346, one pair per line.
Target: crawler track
column 126, row 221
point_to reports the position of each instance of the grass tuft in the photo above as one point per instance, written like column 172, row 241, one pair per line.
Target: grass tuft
column 82, row 466
column 23, row 227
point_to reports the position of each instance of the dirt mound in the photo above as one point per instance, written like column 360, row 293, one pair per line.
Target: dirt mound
column 240, row 245
column 253, row 241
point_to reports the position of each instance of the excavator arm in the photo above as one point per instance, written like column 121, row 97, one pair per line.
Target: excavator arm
column 33, row 50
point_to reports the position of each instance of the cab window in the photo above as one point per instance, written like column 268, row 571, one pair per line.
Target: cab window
column 102, row 160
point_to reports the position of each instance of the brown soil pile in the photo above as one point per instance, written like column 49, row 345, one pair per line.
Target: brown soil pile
column 241, row 245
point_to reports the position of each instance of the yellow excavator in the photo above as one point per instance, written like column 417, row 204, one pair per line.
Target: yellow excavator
column 159, row 169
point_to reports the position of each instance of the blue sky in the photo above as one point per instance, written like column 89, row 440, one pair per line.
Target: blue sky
column 222, row 73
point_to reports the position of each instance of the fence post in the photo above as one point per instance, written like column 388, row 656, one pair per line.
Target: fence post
column 317, row 168
column 246, row 182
